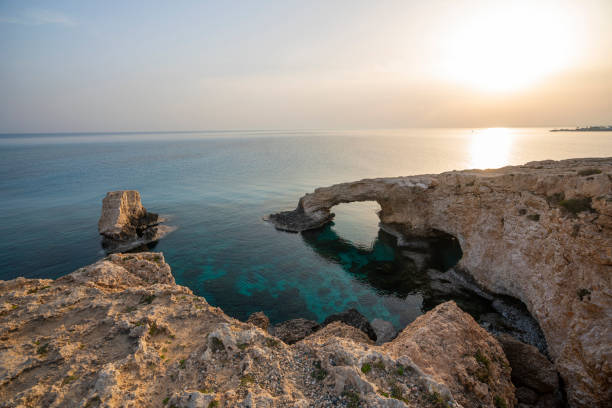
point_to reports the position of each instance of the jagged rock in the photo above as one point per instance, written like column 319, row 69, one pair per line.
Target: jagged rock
column 121, row 333
column 259, row 319
column 294, row 330
column 385, row 331
column 541, row 232
column 529, row 367
column 353, row 318
column 125, row 224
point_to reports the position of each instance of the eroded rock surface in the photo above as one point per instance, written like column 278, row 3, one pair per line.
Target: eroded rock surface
column 541, row 232
column 125, row 224
column 121, row 333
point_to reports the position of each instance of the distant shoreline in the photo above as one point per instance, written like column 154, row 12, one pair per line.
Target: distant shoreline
column 586, row 129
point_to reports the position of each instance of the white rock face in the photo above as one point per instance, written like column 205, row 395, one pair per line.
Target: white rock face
column 541, row 232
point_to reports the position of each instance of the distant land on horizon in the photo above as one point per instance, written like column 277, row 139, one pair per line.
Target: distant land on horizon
column 586, row 129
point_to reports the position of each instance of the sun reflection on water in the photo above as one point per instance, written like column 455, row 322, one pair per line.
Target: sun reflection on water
column 490, row 148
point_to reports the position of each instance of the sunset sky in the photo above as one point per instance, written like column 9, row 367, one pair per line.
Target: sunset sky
column 190, row 65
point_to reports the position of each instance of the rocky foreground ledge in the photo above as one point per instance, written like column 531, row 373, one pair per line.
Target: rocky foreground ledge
column 121, row 333
column 541, row 232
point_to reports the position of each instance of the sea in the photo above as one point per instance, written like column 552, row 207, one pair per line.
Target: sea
column 215, row 187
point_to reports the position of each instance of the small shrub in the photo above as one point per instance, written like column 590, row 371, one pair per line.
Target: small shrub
column 213, row 404
column 483, row 372
column 243, row 346
column 582, row 293
column 436, row 400
column 533, row 217
column 153, row 329
column 400, row 370
column 157, row 258
column 272, row 343
column 165, row 400
column 247, row 379
column 216, row 345
column 69, row 379
column 353, row 400
column 576, row 205
column 383, row 393
column 148, row 299
column 396, row 393
column 366, row 368
column 129, row 309
column 500, row 402
column 319, row 372
column 589, row 172
column 42, row 350
column 34, row 290
column 182, row 364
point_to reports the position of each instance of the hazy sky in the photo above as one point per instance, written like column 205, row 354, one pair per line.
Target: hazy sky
column 190, row 65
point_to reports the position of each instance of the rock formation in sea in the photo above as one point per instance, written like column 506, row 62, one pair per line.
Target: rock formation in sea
column 125, row 224
column 122, row 333
column 540, row 232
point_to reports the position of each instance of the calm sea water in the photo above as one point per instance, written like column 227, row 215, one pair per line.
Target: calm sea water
column 216, row 186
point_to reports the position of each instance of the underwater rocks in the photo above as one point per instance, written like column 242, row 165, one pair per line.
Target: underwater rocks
column 121, row 333
column 540, row 232
column 125, row 224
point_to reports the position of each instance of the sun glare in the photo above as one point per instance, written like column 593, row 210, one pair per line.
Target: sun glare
column 490, row 148
column 509, row 48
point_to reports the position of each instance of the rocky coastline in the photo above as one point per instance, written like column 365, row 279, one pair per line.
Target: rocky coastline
column 540, row 233
column 122, row 333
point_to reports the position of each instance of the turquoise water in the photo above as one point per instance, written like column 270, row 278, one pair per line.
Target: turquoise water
column 216, row 187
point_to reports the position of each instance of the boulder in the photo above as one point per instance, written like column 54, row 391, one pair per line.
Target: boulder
column 385, row 331
column 292, row 331
column 353, row 318
column 259, row 319
column 530, row 368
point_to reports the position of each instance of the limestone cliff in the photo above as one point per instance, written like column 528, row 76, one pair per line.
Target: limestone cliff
column 121, row 333
column 541, row 232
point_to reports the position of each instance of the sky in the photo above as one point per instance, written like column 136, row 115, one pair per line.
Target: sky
column 85, row 66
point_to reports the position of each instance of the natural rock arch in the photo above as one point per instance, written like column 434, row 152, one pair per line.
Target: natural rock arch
column 541, row 233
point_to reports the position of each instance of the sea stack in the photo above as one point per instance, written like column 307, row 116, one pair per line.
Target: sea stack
column 125, row 224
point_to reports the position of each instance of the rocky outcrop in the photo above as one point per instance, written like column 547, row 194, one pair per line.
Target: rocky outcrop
column 121, row 333
column 541, row 232
column 353, row 318
column 260, row 320
column 126, row 224
column 294, row 330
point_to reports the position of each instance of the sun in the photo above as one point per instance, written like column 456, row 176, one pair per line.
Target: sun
column 508, row 47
